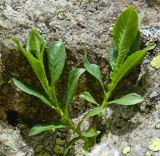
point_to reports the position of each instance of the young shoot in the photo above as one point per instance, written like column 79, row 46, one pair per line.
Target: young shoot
column 124, row 56
column 56, row 56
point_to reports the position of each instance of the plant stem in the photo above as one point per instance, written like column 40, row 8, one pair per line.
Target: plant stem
column 64, row 114
column 108, row 94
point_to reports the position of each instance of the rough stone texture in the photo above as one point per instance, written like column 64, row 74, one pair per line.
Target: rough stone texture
column 85, row 27
column 11, row 143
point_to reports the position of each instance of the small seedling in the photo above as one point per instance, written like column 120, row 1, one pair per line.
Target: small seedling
column 124, row 56
column 56, row 56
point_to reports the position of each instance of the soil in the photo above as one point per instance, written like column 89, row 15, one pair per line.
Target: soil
column 85, row 27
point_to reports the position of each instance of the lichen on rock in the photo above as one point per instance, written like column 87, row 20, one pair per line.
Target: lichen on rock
column 155, row 146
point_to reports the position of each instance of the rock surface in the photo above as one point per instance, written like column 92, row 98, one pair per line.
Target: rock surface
column 84, row 26
column 11, row 142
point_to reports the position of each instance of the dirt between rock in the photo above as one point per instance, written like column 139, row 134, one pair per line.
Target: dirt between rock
column 85, row 27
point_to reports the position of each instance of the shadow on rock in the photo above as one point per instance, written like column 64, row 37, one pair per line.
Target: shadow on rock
column 120, row 122
column 12, row 99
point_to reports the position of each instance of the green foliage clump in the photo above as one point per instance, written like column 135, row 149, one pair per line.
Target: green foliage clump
column 124, row 56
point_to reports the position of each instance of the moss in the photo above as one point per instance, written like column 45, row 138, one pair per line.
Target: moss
column 59, row 146
column 44, row 153
column 39, row 148
column 58, row 149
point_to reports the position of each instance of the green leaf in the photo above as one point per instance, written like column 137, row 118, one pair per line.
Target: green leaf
column 124, row 32
column 45, row 127
column 20, row 47
column 30, row 90
column 129, row 99
column 93, row 112
column 35, row 43
column 90, row 113
column 131, row 62
column 90, row 133
column 56, row 60
column 136, row 44
column 70, row 143
column 113, row 54
column 88, row 97
column 150, row 46
column 72, row 84
column 93, row 69
column 156, row 62
column 36, row 64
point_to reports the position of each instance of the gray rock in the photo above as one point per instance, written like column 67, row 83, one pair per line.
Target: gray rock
column 12, row 143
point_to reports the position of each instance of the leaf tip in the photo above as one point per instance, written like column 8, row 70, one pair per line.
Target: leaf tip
column 150, row 46
column 33, row 30
column 131, row 6
column 11, row 81
column 15, row 40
